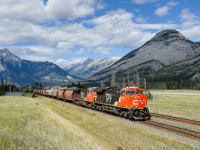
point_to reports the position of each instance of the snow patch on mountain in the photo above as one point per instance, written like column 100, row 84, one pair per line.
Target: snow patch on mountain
column 89, row 67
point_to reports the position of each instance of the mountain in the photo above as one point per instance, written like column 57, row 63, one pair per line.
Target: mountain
column 24, row 72
column 163, row 54
column 89, row 67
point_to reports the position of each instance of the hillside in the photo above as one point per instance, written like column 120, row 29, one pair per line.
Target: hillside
column 166, row 55
column 24, row 72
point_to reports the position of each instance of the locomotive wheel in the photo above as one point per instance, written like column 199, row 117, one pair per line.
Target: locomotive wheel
column 126, row 114
column 121, row 114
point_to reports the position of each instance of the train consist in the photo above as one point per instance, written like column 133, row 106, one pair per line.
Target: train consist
column 129, row 102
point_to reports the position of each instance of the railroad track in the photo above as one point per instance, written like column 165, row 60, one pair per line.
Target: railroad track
column 183, row 120
column 189, row 133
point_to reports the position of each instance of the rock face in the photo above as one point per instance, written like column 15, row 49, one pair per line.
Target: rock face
column 89, row 67
column 24, row 72
column 166, row 48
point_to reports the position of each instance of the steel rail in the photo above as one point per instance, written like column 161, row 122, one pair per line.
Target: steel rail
column 189, row 133
column 189, row 121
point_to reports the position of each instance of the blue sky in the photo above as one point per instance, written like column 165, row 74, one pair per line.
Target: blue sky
column 69, row 31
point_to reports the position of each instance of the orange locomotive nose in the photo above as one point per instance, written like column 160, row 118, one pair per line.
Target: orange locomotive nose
column 132, row 98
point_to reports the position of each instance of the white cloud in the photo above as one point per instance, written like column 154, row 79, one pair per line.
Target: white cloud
column 163, row 11
column 190, row 25
column 82, row 51
column 43, row 50
column 118, row 29
column 115, row 28
column 64, row 45
column 142, row 1
column 66, row 62
column 70, row 9
column 99, row 5
column 171, row 3
column 102, row 50
column 36, row 11
column 187, row 15
column 140, row 19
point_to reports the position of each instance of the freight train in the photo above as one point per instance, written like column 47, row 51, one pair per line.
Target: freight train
column 129, row 102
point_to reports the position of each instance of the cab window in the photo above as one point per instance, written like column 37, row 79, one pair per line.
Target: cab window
column 92, row 91
column 139, row 91
column 130, row 93
column 122, row 93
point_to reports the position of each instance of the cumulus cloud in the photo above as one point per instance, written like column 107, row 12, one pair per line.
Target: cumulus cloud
column 69, row 9
column 163, row 11
column 140, row 19
column 142, row 1
column 190, row 24
column 187, row 15
column 119, row 29
column 66, row 62
column 115, row 28
column 37, row 11
column 82, row 51
column 102, row 50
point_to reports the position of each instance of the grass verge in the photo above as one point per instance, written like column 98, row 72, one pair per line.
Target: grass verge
column 185, row 106
column 107, row 131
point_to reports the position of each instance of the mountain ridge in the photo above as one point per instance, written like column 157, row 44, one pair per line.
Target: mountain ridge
column 89, row 66
column 164, row 49
column 25, row 72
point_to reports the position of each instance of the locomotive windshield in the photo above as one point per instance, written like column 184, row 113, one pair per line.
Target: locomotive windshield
column 130, row 93
column 139, row 91
column 92, row 91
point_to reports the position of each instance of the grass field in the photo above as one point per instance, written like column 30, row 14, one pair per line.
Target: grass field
column 175, row 104
column 43, row 123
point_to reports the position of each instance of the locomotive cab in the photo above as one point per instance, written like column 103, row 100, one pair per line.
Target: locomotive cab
column 132, row 97
column 91, row 95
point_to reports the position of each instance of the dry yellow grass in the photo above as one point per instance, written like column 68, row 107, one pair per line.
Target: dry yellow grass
column 25, row 124
column 44, row 123
column 108, row 131
column 178, row 103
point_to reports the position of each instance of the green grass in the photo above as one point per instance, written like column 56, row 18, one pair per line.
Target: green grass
column 185, row 106
column 43, row 123
column 25, row 124
column 178, row 91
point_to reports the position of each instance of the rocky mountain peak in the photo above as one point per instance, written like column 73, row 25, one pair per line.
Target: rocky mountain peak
column 166, row 48
column 7, row 56
column 89, row 66
column 24, row 72
column 87, row 61
column 168, row 36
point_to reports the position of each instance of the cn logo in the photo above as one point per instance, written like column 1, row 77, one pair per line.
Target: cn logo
column 108, row 98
